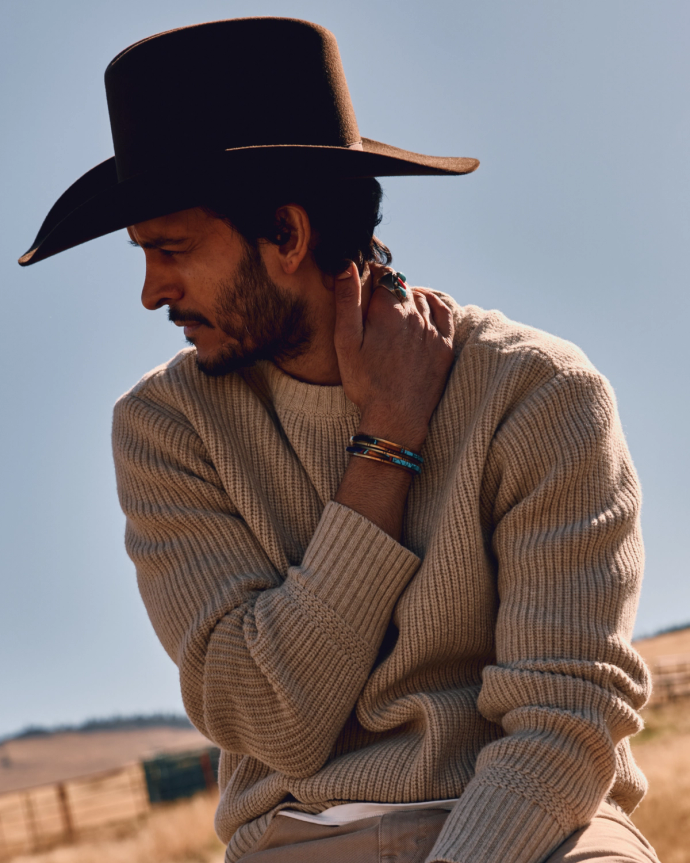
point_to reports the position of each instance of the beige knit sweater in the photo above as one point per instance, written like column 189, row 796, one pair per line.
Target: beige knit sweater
column 487, row 656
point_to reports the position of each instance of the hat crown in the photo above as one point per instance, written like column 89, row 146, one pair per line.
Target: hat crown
column 197, row 91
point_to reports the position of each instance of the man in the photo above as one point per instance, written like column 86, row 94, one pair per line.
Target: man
column 417, row 646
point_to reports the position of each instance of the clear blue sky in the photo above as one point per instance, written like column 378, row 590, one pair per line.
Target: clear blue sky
column 576, row 222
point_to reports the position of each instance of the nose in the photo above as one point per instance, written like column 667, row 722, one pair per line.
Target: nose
column 158, row 290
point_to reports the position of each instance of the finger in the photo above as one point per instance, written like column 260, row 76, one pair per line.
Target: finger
column 442, row 316
column 382, row 301
column 383, row 291
column 378, row 271
column 348, row 308
column 422, row 305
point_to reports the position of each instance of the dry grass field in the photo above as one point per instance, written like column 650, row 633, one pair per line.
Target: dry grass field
column 663, row 752
column 182, row 832
column 175, row 833
column 101, row 801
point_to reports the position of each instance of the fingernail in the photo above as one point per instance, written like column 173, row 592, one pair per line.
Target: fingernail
column 347, row 274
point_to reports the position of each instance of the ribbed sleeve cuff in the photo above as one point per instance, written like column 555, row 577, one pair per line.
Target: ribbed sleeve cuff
column 357, row 569
column 490, row 824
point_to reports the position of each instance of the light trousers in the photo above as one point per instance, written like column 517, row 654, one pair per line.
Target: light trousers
column 408, row 837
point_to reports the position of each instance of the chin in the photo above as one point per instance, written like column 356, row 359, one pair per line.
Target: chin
column 209, row 350
column 223, row 360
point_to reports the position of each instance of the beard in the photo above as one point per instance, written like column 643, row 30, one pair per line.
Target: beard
column 264, row 321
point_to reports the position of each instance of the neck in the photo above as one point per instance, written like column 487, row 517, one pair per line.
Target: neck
column 319, row 363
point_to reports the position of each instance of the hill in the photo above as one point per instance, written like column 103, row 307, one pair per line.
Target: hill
column 38, row 757
column 674, row 641
column 109, row 723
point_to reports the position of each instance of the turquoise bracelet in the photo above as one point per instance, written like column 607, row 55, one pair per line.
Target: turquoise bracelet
column 385, row 458
column 385, row 446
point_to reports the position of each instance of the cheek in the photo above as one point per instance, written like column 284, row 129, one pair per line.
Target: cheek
column 201, row 283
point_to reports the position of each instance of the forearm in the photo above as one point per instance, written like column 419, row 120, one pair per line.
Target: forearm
column 379, row 491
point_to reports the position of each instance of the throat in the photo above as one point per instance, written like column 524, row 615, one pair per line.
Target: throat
column 315, row 366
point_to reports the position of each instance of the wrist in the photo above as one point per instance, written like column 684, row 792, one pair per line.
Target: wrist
column 384, row 426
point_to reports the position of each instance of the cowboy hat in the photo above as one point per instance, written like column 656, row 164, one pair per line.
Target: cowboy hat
column 189, row 103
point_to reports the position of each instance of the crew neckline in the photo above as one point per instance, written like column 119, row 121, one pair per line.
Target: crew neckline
column 289, row 394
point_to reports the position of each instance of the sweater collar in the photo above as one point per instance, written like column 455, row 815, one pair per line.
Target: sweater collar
column 289, row 394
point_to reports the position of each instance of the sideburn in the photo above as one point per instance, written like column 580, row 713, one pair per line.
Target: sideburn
column 274, row 326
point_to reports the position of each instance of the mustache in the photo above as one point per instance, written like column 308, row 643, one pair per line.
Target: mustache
column 187, row 316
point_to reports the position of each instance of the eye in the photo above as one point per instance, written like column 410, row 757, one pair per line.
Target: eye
column 167, row 253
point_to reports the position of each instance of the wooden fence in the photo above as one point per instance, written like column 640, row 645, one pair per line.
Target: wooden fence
column 671, row 676
column 38, row 818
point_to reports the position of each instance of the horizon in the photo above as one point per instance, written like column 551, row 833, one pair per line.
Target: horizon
column 107, row 723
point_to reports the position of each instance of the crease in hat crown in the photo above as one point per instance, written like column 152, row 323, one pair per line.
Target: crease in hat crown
column 237, row 96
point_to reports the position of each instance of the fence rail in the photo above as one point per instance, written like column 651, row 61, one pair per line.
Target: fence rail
column 37, row 818
column 671, row 676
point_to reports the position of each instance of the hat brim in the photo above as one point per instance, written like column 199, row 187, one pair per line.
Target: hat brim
column 97, row 204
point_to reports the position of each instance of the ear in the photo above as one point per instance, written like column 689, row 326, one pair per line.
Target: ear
column 295, row 228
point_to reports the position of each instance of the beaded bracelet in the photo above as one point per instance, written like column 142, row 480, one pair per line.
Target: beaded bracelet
column 384, row 458
column 378, row 443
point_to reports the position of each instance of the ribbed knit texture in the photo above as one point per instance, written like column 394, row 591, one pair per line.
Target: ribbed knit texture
column 487, row 656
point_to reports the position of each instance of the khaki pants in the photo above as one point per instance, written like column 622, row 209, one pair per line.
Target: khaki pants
column 408, row 837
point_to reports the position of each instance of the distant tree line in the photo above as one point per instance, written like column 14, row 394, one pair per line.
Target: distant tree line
column 677, row 628
column 111, row 723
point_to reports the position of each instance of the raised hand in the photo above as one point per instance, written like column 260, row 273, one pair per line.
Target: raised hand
column 394, row 356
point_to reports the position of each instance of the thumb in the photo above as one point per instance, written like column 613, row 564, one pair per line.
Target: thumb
column 348, row 308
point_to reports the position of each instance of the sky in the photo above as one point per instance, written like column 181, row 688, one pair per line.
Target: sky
column 576, row 222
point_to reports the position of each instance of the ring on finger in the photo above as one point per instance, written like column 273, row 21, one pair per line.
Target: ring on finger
column 395, row 283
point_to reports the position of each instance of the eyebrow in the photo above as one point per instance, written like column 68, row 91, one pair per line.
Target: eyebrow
column 158, row 242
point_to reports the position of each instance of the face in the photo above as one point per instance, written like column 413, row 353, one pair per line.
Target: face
column 217, row 287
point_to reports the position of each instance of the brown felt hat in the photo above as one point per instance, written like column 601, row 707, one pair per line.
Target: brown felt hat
column 191, row 104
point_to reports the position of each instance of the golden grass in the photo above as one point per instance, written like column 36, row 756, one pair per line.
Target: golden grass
column 663, row 752
column 180, row 832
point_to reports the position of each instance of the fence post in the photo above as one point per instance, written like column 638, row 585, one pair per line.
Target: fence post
column 209, row 775
column 138, row 790
column 31, row 820
column 67, row 823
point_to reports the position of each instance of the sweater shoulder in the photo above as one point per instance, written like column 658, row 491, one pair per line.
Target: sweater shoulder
column 504, row 363
column 491, row 331
column 167, row 378
column 157, row 401
column 178, row 387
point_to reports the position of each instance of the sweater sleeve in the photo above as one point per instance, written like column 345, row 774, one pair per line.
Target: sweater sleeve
column 566, row 684
column 271, row 663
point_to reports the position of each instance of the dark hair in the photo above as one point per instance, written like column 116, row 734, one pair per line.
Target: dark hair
column 343, row 215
